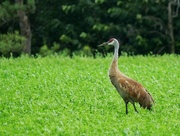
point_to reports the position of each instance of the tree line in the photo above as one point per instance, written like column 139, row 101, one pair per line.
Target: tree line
column 77, row 27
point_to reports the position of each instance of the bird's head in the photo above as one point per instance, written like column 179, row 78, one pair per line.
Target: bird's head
column 112, row 41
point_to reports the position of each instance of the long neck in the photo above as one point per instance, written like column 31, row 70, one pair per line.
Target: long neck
column 116, row 49
column 114, row 65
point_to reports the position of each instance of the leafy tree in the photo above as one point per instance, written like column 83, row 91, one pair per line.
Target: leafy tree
column 77, row 26
column 10, row 11
column 11, row 43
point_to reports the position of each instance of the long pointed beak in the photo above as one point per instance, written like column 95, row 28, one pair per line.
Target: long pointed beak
column 103, row 44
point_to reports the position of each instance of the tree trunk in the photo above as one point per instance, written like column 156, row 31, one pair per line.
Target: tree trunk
column 24, row 27
column 170, row 28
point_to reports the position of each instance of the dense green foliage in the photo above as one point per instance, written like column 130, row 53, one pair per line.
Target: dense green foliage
column 57, row 95
column 78, row 25
column 11, row 43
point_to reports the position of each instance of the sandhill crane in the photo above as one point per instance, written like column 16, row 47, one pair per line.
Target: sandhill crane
column 129, row 89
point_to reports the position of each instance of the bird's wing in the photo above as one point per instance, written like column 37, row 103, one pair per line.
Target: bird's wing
column 135, row 92
column 132, row 89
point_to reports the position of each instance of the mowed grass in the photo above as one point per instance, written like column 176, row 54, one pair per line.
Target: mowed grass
column 58, row 95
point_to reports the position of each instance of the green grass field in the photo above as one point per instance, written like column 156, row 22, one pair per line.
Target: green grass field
column 57, row 95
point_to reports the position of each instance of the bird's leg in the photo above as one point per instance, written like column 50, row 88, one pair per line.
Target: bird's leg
column 135, row 107
column 126, row 107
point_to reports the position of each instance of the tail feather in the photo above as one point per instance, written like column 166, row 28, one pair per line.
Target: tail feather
column 147, row 102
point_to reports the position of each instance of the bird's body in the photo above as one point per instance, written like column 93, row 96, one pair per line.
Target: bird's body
column 129, row 89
